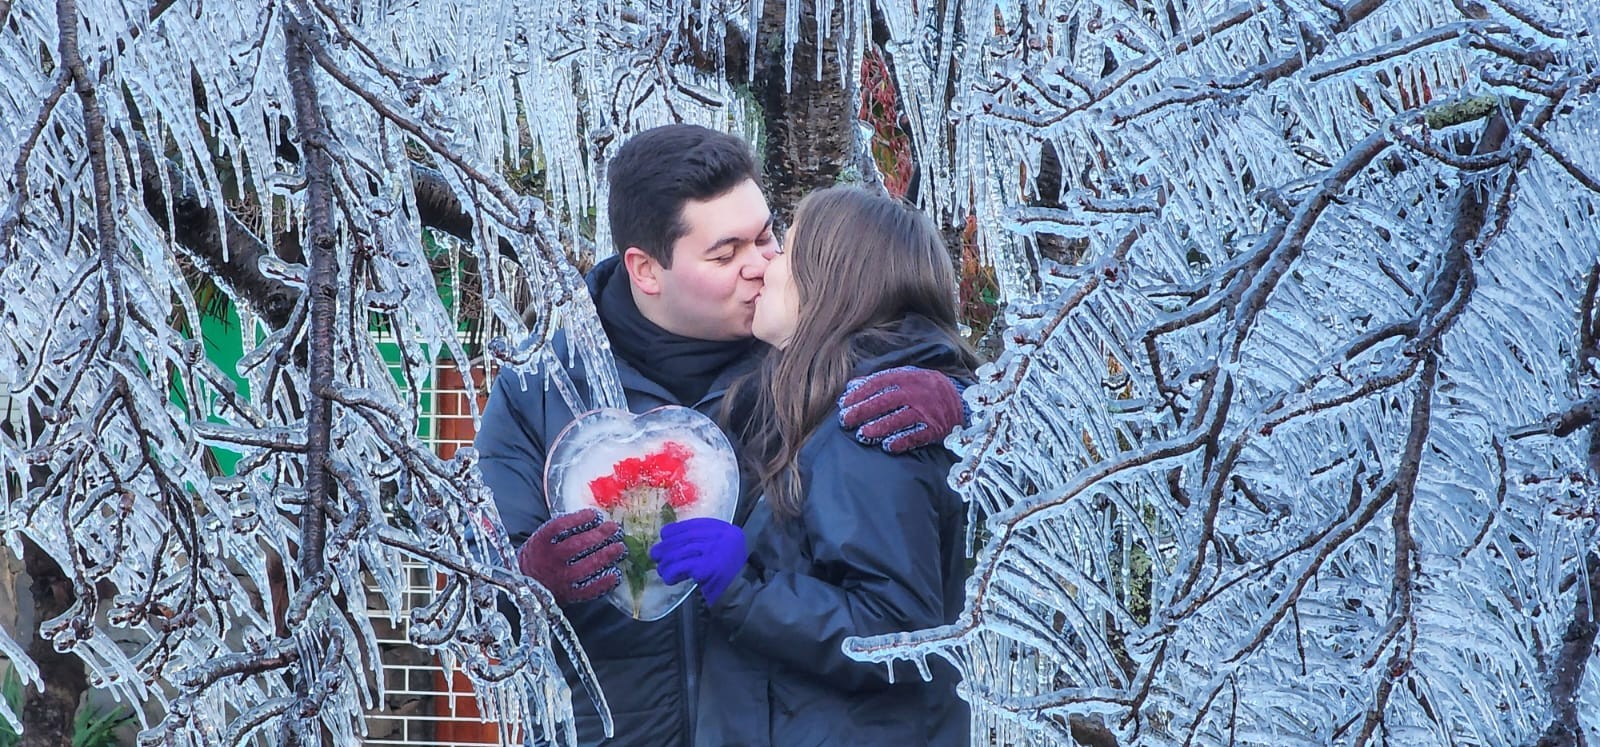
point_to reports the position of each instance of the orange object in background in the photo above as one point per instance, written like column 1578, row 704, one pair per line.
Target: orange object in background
column 461, row 726
column 453, row 428
column 452, row 417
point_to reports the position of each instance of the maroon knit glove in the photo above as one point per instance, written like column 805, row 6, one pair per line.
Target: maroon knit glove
column 903, row 408
column 574, row 556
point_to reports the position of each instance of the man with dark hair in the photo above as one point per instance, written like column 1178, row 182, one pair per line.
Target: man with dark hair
column 693, row 236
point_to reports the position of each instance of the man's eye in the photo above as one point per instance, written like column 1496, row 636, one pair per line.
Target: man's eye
column 722, row 259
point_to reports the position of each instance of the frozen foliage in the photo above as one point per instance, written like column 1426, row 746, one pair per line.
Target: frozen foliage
column 130, row 132
column 1291, row 441
column 1293, row 454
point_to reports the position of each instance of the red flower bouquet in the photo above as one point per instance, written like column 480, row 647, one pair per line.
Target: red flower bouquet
column 644, row 494
column 645, row 471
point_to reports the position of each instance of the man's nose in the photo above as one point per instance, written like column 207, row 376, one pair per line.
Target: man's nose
column 756, row 268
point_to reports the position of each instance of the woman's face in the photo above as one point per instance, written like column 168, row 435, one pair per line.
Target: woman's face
column 778, row 305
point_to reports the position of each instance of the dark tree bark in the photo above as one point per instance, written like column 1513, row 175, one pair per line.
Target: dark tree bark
column 1577, row 648
column 47, row 714
column 810, row 126
column 204, row 230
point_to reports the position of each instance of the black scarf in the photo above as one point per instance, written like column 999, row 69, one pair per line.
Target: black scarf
column 685, row 366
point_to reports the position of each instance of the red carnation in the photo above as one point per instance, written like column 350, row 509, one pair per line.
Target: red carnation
column 682, row 494
column 607, row 491
column 676, row 451
column 642, row 494
column 629, row 470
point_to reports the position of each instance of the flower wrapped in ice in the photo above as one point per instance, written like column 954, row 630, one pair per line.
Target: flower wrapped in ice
column 645, row 471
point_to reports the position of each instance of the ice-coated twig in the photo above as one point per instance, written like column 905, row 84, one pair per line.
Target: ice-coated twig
column 19, row 173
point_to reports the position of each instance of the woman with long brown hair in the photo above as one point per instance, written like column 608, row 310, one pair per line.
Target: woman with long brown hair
column 847, row 540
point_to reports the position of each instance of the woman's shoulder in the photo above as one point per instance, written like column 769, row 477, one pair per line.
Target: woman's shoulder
column 834, row 451
column 842, row 477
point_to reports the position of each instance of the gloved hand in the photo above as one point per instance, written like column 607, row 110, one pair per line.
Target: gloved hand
column 710, row 551
column 574, row 556
column 903, row 408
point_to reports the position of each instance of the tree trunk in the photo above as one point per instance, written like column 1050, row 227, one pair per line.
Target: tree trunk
column 810, row 128
column 47, row 715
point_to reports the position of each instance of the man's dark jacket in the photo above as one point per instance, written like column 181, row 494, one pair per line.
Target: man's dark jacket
column 648, row 670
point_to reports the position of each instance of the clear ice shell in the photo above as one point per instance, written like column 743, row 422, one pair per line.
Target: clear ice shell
column 591, row 446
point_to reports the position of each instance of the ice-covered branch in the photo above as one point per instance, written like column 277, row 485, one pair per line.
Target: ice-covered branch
column 322, row 287
column 19, row 172
column 1589, row 181
column 1232, row 17
column 1312, row 42
column 1298, row 230
column 1068, row 306
column 1572, row 660
column 107, row 235
column 213, row 236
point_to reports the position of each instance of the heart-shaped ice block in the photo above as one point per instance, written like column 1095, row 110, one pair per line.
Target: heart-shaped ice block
column 645, row 471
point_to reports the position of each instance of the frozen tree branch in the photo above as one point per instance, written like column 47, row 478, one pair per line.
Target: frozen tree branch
column 1572, row 659
column 1312, row 42
column 1328, row 340
column 213, row 237
column 19, row 174
column 1583, row 177
column 107, row 235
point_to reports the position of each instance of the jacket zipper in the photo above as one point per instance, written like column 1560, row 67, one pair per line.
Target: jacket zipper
column 691, row 669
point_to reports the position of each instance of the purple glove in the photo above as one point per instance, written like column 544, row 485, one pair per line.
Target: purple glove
column 904, row 408
column 710, row 551
column 574, row 556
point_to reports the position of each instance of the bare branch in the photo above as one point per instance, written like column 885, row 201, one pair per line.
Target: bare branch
column 107, row 239
column 19, row 174
column 1585, row 178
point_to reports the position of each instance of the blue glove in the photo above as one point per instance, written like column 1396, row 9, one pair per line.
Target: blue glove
column 710, row 551
column 902, row 408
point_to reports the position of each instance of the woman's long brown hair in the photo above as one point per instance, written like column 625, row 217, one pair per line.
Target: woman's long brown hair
column 861, row 264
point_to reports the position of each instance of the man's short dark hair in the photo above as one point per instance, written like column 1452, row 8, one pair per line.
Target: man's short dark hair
column 656, row 171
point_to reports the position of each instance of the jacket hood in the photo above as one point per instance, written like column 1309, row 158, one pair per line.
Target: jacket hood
column 914, row 340
column 601, row 275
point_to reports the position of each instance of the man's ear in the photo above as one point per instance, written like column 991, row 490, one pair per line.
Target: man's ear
column 643, row 270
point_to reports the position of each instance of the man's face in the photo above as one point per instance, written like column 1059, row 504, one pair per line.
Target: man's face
column 717, row 266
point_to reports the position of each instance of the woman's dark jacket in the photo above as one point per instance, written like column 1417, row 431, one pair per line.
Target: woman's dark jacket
column 878, row 549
